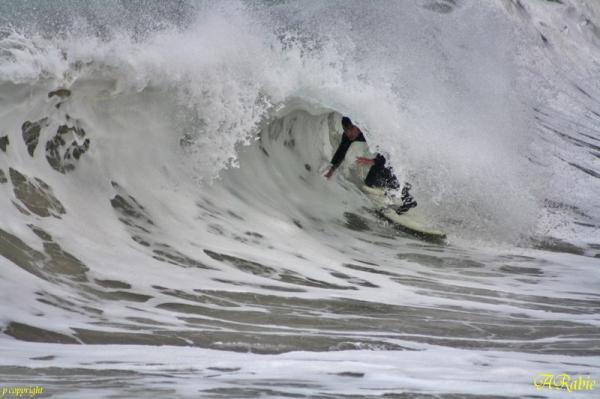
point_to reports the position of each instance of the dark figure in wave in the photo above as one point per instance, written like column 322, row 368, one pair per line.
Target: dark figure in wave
column 379, row 176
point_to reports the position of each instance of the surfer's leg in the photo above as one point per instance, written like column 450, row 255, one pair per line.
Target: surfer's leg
column 404, row 207
column 382, row 177
column 408, row 201
column 372, row 178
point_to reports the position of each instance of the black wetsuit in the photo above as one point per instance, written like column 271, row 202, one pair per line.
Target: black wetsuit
column 379, row 175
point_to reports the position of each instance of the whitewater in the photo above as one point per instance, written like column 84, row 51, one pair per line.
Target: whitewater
column 167, row 230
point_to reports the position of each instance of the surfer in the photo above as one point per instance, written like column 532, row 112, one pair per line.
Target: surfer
column 379, row 176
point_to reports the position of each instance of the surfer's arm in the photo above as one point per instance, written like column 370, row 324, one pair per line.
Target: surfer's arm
column 365, row 161
column 330, row 171
column 341, row 151
column 339, row 155
column 378, row 161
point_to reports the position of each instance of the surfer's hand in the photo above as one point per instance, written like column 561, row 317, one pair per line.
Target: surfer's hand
column 329, row 173
column 364, row 161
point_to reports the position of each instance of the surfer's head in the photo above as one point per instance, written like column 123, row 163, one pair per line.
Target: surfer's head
column 349, row 129
column 346, row 123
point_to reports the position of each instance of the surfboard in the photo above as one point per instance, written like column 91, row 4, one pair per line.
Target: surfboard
column 407, row 222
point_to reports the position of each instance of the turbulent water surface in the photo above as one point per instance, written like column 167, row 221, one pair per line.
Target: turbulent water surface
column 167, row 231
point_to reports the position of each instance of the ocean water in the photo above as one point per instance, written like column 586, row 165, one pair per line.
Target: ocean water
column 167, row 231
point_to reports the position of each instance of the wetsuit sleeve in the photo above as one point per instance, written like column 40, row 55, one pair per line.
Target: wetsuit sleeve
column 342, row 149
